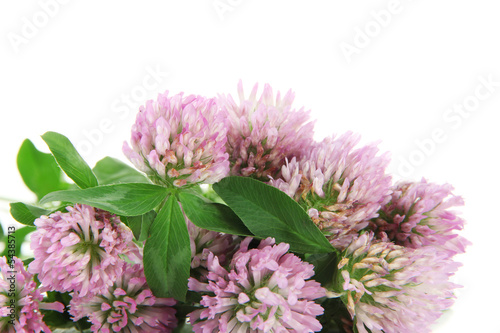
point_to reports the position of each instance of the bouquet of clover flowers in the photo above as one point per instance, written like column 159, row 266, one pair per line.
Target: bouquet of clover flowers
column 235, row 220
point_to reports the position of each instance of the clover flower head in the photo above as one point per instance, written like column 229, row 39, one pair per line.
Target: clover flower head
column 204, row 241
column 21, row 300
column 419, row 214
column 340, row 187
column 266, row 289
column 126, row 306
column 390, row 288
column 80, row 250
column 179, row 140
column 264, row 131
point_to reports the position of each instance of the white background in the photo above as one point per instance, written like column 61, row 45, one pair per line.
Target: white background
column 74, row 71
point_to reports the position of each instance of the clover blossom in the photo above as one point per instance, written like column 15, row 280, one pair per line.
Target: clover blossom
column 126, row 306
column 418, row 215
column 392, row 289
column 21, row 300
column 204, row 241
column 179, row 140
column 340, row 187
column 264, row 131
column 265, row 290
column 80, row 250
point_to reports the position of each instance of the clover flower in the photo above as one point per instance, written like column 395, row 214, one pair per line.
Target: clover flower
column 419, row 215
column 340, row 188
column 126, row 306
column 80, row 250
column 20, row 300
column 263, row 132
column 204, row 241
column 265, row 290
column 392, row 289
column 179, row 140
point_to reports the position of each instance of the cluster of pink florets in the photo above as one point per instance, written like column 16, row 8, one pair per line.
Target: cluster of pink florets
column 341, row 187
column 347, row 193
column 187, row 140
column 21, row 300
column 391, row 288
column 265, row 289
column 395, row 243
column 79, row 251
column 91, row 254
column 180, row 140
column 128, row 305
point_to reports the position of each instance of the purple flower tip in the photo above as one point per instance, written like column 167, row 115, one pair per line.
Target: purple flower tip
column 179, row 140
column 80, row 250
column 264, row 131
column 265, row 290
column 21, row 300
column 419, row 214
column 391, row 288
column 126, row 306
column 342, row 188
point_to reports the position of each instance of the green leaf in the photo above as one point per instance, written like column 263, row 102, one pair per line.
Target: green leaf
column 269, row 212
column 212, row 216
column 112, row 171
column 140, row 224
column 26, row 214
column 39, row 171
column 55, row 319
column 167, row 253
column 325, row 267
column 28, row 261
column 121, row 199
column 70, row 160
column 15, row 239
